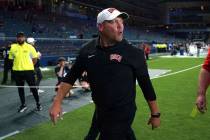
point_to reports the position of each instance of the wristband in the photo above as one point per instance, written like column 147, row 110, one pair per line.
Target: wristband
column 155, row 115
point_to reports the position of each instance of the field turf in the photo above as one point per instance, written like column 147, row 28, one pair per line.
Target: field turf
column 176, row 96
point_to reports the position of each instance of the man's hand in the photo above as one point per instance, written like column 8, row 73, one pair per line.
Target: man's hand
column 55, row 112
column 155, row 122
column 201, row 103
column 155, row 114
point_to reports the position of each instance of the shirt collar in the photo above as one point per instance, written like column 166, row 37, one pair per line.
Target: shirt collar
column 98, row 45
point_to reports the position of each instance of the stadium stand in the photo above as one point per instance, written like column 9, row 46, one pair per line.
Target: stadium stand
column 61, row 26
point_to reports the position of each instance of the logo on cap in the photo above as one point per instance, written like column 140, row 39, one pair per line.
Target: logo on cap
column 111, row 10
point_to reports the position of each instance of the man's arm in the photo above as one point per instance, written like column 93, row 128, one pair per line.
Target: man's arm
column 67, row 83
column 34, row 54
column 60, row 72
column 150, row 97
column 155, row 114
column 153, row 107
column 56, row 110
column 11, row 57
column 148, row 90
column 203, row 83
column 34, row 60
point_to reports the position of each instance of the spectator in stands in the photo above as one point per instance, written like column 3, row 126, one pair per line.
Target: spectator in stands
column 112, row 65
column 7, row 65
column 174, row 49
column 203, row 83
column 181, row 49
column 61, row 71
column 24, row 56
column 38, row 72
column 186, row 47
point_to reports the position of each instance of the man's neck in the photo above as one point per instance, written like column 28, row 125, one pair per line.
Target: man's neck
column 21, row 44
column 106, row 42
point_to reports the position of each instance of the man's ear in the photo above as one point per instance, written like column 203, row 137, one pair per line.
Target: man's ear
column 100, row 27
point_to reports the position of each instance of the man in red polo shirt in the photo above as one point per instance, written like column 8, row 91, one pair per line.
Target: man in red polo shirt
column 146, row 51
column 203, row 83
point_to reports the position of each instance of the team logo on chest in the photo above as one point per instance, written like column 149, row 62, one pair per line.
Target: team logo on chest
column 115, row 57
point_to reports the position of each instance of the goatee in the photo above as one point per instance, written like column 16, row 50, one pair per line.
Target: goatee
column 20, row 42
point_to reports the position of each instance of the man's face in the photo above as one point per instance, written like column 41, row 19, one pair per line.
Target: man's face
column 62, row 63
column 21, row 39
column 113, row 29
column 33, row 44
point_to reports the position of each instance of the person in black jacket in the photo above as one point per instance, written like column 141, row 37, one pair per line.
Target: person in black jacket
column 61, row 71
column 7, row 65
column 113, row 66
column 37, row 70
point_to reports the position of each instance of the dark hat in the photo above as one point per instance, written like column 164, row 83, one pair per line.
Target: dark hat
column 20, row 34
column 61, row 59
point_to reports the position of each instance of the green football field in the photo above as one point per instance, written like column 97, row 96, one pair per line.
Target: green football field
column 176, row 96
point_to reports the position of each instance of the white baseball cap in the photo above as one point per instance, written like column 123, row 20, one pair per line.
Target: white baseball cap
column 110, row 14
column 31, row 40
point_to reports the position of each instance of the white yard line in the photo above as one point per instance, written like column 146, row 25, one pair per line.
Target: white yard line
column 173, row 73
column 10, row 134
